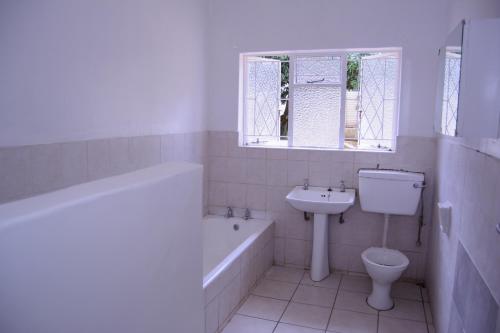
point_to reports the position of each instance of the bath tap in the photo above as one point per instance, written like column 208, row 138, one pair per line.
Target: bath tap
column 306, row 184
column 342, row 186
column 229, row 213
column 247, row 214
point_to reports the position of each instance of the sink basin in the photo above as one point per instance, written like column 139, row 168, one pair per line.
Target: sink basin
column 319, row 200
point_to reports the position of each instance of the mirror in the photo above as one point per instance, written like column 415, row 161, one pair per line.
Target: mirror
column 450, row 60
column 479, row 111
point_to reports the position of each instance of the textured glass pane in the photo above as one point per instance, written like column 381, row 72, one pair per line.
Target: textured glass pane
column 263, row 98
column 450, row 93
column 378, row 98
column 316, row 116
column 317, row 70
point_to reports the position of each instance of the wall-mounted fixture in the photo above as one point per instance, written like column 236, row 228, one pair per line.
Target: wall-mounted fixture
column 444, row 214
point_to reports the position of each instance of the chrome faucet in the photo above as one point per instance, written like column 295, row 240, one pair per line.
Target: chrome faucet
column 229, row 213
column 306, row 184
column 247, row 214
column 342, row 186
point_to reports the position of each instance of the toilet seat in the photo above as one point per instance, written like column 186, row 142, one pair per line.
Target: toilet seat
column 384, row 257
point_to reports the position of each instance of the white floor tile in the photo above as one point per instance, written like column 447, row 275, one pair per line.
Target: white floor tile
column 393, row 325
column 263, row 307
column 242, row 324
column 358, row 284
column 406, row 290
column 350, row 301
column 405, row 309
column 287, row 328
column 306, row 315
column 275, row 289
column 352, row 322
column 285, row 274
column 314, row 296
column 332, row 281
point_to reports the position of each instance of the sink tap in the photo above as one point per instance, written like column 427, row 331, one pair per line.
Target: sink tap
column 342, row 186
column 306, row 184
column 229, row 213
column 247, row 214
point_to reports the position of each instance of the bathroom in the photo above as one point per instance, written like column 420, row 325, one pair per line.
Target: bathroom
column 142, row 189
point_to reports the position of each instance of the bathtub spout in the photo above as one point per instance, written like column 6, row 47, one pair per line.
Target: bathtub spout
column 229, row 213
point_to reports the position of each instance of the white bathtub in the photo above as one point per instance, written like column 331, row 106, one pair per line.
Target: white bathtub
column 233, row 260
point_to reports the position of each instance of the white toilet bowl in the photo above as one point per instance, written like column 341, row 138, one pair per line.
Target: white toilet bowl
column 384, row 267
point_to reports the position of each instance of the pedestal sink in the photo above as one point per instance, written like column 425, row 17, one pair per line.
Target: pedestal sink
column 321, row 201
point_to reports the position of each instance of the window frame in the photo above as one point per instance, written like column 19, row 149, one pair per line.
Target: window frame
column 343, row 54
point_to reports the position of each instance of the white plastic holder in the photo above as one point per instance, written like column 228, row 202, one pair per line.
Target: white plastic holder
column 444, row 214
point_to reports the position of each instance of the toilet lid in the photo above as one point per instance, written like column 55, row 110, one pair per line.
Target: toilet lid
column 385, row 257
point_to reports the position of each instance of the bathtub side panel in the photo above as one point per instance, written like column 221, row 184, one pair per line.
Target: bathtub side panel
column 125, row 261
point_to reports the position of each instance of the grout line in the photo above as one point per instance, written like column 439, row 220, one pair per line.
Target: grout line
column 286, row 307
column 334, row 301
column 423, row 306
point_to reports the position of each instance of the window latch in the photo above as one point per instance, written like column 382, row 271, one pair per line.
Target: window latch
column 316, row 81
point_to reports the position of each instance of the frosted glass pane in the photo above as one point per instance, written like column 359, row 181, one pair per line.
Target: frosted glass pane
column 323, row 69
column 263, row 98
column 316, row 116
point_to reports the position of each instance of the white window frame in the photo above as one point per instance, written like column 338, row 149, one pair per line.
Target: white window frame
column 342, row 53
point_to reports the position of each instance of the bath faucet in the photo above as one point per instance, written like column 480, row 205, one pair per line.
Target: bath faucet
column 342, row 186
column 306, row 184
column 229, row 213
column 247, row 214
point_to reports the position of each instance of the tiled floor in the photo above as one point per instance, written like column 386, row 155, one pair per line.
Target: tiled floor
column 286, row 300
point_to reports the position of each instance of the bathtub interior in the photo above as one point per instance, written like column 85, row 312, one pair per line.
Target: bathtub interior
column 222, row 236
column 235, row 260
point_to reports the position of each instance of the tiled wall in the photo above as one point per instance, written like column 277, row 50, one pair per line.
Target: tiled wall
column 29, row 170
column 470, row 181
column 260, row 178
column 232, row 285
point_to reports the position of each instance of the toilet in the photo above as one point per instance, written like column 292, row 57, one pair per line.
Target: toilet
column 387, row 192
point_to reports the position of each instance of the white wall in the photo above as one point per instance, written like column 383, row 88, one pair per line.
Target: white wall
column 122, row 254
column 262, row 25
column 471, row 9
column 75, row 70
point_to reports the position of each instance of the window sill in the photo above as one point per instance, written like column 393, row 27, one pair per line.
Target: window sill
column 284, row 145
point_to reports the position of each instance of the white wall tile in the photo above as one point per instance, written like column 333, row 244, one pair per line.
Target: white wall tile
column 319, row 173
column 277, row 172
column 46, row 167
column 15, row 177
column 124, row 158
column 98, row 159
column 236, row 195
column 256, row 171
column 297, row 171
column 256, row 197
column 217, row 143
column 74, row 163
column 236, row 170
column 217, row 194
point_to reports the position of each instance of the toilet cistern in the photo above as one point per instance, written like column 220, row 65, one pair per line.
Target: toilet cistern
column 401, row 195
column 320, row 201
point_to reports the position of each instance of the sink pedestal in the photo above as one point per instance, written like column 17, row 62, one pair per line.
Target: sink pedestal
column 319, row 263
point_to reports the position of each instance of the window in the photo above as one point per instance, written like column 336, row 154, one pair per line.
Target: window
column 332, row 100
